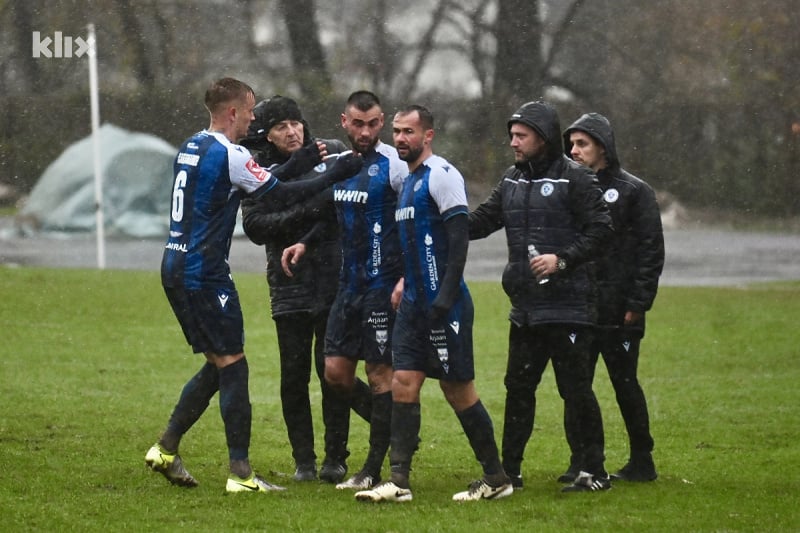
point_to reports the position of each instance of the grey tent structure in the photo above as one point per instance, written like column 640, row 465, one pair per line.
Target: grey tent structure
column 137, row 180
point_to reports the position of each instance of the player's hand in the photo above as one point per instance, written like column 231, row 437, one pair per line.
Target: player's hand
column 290, row 257
column 301, row 161
column 345, row 165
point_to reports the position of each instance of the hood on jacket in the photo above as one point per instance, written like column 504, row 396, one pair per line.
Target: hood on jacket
column 598, row 128
column 542, row 117
column 268, row 113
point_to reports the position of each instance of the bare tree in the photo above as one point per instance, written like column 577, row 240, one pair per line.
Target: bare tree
column 134, row 37
column 424, row 47
column 307, row 54
column 702, row 95
column 519, row 60
column 21, row 27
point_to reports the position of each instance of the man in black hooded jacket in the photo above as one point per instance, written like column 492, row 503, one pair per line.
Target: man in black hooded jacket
column 627, row 281
column 556, row 222
column 300, row 304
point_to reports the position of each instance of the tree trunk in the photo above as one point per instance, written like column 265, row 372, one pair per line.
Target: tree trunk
column 132, row 31
column 306, row 49
column 518, row 63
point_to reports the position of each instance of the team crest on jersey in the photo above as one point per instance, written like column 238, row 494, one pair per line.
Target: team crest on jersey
column 547, row 189
column 377, row 229
column 322, row 167
column 417, row 185
column 258, row 173
column 373, row 170
column 611, row 196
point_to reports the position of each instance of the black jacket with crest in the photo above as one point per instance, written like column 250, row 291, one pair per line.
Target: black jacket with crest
column 555, row 204
column 629, row 269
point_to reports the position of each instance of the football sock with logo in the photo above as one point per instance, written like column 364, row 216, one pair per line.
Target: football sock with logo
column 379, row 432
column 192, row 403
column 234, row 405
column 479, row 429
column 405, row 424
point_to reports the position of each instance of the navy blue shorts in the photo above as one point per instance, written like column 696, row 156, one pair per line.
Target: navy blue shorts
column 211, row 319
column 360, row 326
column 443, row 351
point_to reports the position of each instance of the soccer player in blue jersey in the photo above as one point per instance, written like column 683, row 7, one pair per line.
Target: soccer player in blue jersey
column 211, row 175
column 361, row 318
column 433, row 329
column 300, row 304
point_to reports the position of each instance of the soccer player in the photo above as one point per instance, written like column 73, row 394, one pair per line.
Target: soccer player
column 361, row 318
column 300, row 304
column 211, row 175
column 433, row 330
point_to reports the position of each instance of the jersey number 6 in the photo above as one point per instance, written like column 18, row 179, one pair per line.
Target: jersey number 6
column 177, row 196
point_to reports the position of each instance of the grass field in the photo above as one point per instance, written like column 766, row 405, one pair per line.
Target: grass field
column 92, row 363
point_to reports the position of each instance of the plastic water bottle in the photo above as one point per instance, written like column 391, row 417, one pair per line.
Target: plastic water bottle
column 533, row 252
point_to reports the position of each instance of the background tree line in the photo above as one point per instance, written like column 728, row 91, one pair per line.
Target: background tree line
column 703, row 95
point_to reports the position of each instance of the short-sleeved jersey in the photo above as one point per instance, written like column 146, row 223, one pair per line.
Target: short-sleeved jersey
column 211, row 175
column 365, row 205
column 433, row 193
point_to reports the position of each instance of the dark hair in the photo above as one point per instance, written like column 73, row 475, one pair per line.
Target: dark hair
column 425, row 116
column 225, row 90
column 362, row 100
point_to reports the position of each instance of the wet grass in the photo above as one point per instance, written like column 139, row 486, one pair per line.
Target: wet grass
column 91, row 364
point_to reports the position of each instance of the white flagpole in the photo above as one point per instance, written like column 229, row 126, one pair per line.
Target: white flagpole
column 98, row 171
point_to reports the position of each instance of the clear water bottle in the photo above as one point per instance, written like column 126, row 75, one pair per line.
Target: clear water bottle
column 533, row 252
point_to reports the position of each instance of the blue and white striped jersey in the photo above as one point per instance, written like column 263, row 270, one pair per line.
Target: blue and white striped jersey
column 433, row 193
column 365, row 205
column 211, row 175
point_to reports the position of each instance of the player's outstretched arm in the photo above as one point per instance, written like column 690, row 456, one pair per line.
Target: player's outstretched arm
column 301, row 161
column 283, row 194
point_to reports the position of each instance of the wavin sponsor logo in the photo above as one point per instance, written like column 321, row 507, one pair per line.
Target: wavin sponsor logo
column 404, row 213
column 64, row 46
column 359, row 197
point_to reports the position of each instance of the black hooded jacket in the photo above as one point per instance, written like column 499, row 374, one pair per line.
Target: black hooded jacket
column 555, row 204
column 629, row 269
column 315, row 281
